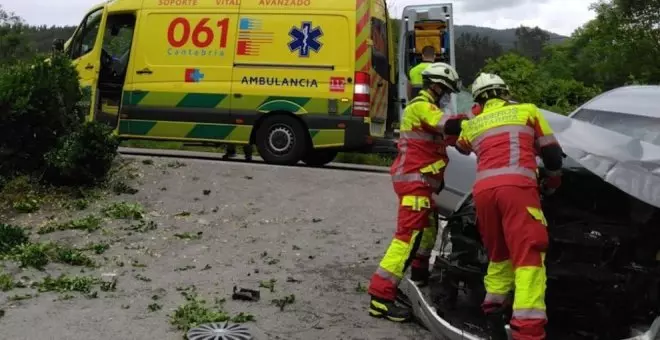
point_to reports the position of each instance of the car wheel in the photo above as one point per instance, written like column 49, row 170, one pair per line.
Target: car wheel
column 319, row 157
column 281, row 140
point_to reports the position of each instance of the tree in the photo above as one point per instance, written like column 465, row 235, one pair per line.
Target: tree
column 520, row 73
column 472, row 51
column 13, row 41
column 530, row 83
column 530, row 42
column 616, row 48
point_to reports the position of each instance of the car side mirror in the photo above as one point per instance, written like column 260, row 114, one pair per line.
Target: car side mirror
column 58, row 45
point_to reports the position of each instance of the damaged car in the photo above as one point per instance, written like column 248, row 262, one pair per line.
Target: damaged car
column 603, row 262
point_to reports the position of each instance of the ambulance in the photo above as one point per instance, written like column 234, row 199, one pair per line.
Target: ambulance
column 300, row 79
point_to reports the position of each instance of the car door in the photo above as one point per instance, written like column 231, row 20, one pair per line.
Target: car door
column 85, row 53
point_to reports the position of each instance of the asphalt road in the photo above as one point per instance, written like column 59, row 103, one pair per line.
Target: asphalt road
column 212, row 156
column 324, row 229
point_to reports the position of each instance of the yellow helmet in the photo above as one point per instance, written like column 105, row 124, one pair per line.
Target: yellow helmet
column 486, row 82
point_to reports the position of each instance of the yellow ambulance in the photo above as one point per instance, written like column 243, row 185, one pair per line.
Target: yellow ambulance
column 300, row 79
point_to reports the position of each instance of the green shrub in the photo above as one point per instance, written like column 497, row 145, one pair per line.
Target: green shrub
column 11, row 237
column 39, row 103
column 82, row 157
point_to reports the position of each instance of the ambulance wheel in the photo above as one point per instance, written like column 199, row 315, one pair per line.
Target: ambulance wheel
column 281, row 140
column 319, row 157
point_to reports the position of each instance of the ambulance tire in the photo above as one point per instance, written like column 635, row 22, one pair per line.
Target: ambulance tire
column 319, row 157
column 281, row 140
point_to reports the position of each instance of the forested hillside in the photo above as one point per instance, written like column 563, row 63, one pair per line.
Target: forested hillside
column 620, row 46
column 42, row 36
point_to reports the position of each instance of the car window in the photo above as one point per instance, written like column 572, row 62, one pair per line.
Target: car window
column 85, row 38
column 640, row 127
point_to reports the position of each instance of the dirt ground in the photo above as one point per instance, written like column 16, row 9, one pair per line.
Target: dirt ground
column 320, row 233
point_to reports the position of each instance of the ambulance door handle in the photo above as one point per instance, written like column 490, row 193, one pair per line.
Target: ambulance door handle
column 380, row 84
column 89, row 67
column 144, row 71
column 238, row 95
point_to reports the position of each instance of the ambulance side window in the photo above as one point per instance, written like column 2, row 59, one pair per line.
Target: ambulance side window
column 84, row 40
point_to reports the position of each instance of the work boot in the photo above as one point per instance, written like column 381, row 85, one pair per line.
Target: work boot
column 247, row 150
column 230, row 153
column 380, row 308
column 495, row 325
column 420, row 276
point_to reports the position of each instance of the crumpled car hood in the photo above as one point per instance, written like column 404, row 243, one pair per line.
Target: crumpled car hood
column 628, row 163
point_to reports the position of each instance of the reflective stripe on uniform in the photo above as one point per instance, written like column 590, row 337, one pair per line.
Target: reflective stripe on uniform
column 387, row 275
column 492, row 298
column 514, row 167
column 417, row 135
column 529, row 314
column 513, row 170
column 546, row 140
column 518, row 129
column 417, row 177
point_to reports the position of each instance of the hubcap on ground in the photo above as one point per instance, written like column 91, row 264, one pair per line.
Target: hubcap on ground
column 220, row 331
column 281, row 139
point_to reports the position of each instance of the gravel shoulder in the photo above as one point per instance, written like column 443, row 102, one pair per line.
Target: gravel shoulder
column 318, row 232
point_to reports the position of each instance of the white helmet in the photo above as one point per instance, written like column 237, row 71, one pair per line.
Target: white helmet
column 486, row 82
column 442, row 73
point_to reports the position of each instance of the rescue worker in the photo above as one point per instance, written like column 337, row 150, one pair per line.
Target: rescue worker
column 417, row 173
column 231, row 152
column 415, row 74
column 507, row 137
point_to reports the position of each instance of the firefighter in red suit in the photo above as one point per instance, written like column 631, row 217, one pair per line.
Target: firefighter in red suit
column 417, row 173
column 507, row 137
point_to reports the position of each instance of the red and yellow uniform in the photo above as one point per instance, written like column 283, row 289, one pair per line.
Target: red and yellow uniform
column 417, row 173
column 506, row 138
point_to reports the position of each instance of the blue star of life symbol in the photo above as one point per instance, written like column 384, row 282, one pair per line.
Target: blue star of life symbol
column 197, row 76
column 305, row 38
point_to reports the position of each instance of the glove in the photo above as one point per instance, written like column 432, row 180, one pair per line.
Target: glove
column 550, row 184
column 451, row 140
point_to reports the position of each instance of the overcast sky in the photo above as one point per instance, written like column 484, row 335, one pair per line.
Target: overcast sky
column 559, row 16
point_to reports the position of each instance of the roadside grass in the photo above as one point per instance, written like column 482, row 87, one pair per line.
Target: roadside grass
column 349, row 158
column 196, row 311
column 27, row 195
column 21, row 244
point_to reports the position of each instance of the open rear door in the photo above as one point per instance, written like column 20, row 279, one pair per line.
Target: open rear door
column 423, row 25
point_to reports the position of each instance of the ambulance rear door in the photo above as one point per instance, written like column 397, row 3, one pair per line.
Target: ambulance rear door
column 409, row 51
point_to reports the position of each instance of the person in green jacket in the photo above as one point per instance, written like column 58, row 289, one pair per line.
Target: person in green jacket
column 415, row 74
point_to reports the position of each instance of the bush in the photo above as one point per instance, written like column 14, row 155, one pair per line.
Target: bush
column 83, row 157
column 42, row 126
column 39, row 103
